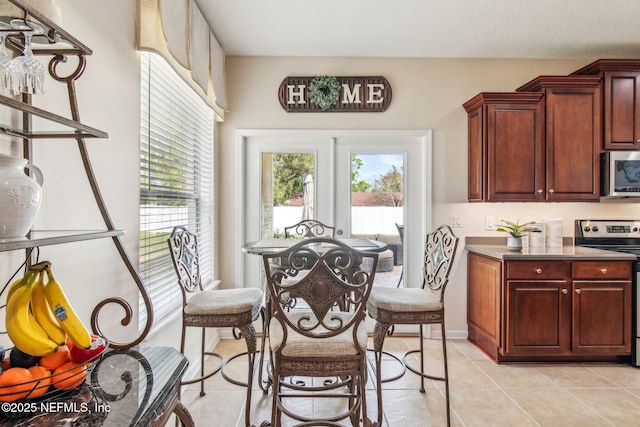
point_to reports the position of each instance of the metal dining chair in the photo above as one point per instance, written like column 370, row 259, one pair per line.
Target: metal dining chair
column 416, row 306
column 304, row 229
column 234, row 308
column 318, row 351
column 309, row 228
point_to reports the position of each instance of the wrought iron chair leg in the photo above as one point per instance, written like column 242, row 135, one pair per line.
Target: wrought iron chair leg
column 202, row 353
column 379, row 334
column 249, row 334
column 251, row 356
column 421, row 359
column 264, row 385
column 446, row 374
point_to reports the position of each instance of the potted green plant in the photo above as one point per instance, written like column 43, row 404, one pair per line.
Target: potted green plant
column 516, row 232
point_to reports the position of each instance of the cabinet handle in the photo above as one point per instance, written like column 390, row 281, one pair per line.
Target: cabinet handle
column 539, row 270
column 540, row 191
column 638, row 141
column 578, row 291
column 551, row 191
column 565, row 291
column 603, row 270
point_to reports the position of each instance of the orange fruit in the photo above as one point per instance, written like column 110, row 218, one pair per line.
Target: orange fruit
column 15, row 384
column 53, row 360
column 69, row 375
column 40, row 382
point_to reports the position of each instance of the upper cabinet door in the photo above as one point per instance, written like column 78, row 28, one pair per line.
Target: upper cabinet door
column 622, row 110
column 476, row 156
column 573, row 140
column 621, row 101
column 573, row 136
column 506, row 147
column 515, row 152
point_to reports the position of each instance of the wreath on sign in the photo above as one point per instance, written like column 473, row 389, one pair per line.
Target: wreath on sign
column 324, row 91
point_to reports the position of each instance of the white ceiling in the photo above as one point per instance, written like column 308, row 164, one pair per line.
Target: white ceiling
column 427, row 28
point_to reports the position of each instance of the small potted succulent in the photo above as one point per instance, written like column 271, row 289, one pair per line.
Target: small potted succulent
column 516, row 232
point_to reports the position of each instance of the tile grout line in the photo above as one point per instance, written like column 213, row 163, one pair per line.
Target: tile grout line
column 499, row 387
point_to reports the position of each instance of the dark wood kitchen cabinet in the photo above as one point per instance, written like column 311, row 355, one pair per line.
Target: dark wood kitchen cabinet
column 549, row 310
column 601, row 307
column 573, row 136
column 538, row 308
column 621, row 101
column 506, row 146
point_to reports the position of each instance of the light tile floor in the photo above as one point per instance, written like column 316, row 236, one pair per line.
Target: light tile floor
column 483, row 393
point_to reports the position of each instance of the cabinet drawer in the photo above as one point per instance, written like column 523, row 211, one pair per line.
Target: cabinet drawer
column 602, row 270
column 538, row 270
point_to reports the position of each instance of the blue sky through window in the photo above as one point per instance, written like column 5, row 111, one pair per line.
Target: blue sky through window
column 375, row 165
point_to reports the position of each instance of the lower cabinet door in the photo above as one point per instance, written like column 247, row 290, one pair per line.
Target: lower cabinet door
column 602, row 317
column 538, row 318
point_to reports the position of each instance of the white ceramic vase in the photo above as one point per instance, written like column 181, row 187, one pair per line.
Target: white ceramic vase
column 20, row 196
column 514, row 243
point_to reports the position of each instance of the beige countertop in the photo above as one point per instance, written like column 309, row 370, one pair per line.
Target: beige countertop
column 500, row 251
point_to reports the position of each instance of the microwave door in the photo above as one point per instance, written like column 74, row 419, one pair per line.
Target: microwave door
column 621, row 174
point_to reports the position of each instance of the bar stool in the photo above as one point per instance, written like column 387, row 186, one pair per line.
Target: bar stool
column 416, row 306
column 218, row 308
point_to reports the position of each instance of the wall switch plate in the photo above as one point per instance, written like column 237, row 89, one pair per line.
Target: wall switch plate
column 490, row 223
column 455, row 221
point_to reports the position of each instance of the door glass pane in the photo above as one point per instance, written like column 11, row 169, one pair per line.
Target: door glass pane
column 377, row 209
column 377, row 193
column 288, row 191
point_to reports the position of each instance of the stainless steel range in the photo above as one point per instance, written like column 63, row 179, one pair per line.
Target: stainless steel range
column 620, row 236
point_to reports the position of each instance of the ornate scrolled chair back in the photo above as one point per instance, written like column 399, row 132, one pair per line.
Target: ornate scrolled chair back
column 440, row 250
column 183, row 246
column 332, row 277
column 309, row 228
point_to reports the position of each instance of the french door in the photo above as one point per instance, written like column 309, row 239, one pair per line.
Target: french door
column 327, row 158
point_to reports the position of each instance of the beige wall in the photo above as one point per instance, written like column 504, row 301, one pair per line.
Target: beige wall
column 427, row 94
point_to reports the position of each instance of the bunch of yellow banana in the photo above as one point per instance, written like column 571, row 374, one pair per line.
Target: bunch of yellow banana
column 22, row 327
column 65, row 314
column 39, row 316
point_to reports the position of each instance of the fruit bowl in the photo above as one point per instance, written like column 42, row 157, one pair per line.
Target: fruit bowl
column 53, row 375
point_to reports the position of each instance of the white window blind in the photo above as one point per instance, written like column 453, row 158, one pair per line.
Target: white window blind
column 176, row 188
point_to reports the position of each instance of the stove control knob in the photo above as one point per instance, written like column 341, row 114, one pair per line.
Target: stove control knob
column 635, row 229
column 587, row 229
column 595, row 228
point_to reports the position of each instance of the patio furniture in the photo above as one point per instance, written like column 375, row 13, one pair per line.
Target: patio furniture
column 400, row 254
column 318, row 351
column 416, row 306
column 234, row 308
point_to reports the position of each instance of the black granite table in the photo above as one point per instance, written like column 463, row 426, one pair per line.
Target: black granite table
column 133, row 387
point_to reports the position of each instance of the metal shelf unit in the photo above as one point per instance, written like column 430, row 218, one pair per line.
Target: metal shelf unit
column 58, row 44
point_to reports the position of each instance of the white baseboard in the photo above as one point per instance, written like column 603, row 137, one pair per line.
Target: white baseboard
column 430, row 333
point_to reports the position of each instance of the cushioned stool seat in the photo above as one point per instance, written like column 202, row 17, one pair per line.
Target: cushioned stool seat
column 385, row 260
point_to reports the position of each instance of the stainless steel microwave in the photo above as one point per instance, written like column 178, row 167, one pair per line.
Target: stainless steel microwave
column 620, row 174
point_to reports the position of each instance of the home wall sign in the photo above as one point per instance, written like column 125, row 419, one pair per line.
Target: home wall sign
column 319, row 94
